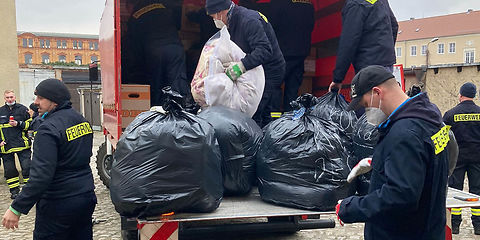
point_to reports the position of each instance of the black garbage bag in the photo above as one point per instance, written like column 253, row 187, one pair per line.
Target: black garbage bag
column 333, row 107
column 301, row 161
column 166, row 162
column 365, row 138
column 239, row 138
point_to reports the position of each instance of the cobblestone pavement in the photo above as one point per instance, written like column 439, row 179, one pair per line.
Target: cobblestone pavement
column 110, row 229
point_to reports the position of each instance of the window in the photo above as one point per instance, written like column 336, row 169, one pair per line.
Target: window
column 78, row 59
column 28, row 58
column 399, row 51
column 424, row 49
column 80, row 44
column 413, row 51
column 469, row 56
column 95, row 46
column 90, row 45
column 47, row 43
column 451, row 48
column 59, row 44
column 45, row 58
column 93, row 59
column 25, row 42
column 441, row 48
column 64, row 43
column 62, row 58
column 30, row 42
column 42, row 43
column 74, row 44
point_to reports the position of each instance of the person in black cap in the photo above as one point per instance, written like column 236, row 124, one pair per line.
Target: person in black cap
column 252, row 32
column 14, row 123
column 407, row 193
column 61, row 181
column 465, row 122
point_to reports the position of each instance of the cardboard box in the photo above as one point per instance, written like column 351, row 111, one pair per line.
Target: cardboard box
column 310, row 67
column 135, row 99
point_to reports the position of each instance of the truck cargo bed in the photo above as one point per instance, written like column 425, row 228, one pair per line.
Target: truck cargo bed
column 250, row 206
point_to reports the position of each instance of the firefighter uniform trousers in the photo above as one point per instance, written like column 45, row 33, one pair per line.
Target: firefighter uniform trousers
column 72, row 218
column 269, row 107
column 11, row 172
column 456, row 181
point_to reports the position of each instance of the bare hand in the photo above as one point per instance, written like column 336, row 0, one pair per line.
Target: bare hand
column 2, row 143
column 13, row 123
column 10, row 220
column 333, row 86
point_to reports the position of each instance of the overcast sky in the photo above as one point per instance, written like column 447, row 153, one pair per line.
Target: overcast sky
column 83, row 16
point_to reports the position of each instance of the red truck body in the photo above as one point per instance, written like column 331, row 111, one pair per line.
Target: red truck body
column 325, row 38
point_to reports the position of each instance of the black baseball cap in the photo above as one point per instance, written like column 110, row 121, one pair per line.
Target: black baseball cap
column 365, row 80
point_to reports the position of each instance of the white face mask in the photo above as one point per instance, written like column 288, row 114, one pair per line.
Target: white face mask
column 10, row 104
column 374, row 115
column 219, row 23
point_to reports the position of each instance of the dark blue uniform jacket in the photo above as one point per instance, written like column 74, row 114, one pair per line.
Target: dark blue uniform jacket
column 15, row 137
column 407, row 193
column 60, row 166
column 465, row 122
column 369, row 32
column 252, row 32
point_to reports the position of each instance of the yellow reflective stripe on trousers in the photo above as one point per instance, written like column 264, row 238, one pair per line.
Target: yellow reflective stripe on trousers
column 456, row 211
column 10, row 180
column 14, row 185
column 475, row 212
column 25, row 180
column 275, row 114
column 12, row 150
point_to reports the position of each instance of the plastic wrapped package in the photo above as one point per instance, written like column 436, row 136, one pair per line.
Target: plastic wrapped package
column 301, row 162
column 166, row 162
column 212, row 87
column 239, row 138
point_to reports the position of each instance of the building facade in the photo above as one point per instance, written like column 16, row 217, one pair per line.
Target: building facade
column 8, row 48
column 448, row 39
column 46, row 48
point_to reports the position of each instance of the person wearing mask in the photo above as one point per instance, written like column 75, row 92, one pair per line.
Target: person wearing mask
column 61, row 181
column 253, row 33
column 408, row 185
column 15, row 121
column 153, row 52
column 369, row 33
column 464, row 120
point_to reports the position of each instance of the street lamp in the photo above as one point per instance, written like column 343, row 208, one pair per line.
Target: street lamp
column 428, row 51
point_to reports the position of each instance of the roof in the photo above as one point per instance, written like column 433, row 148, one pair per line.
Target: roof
column 441, row 26
column 60, row 35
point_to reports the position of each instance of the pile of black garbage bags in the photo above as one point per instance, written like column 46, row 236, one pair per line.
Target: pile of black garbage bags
column 171, row 160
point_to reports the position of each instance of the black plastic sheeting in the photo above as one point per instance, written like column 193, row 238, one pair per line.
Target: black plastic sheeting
column 239, row 138
column 166, row 163
column 301, row 162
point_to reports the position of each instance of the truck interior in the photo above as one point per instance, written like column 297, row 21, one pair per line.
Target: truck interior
column 195, row 28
